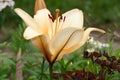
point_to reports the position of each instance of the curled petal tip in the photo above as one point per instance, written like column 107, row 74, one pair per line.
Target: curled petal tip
column 96, row 29
column 17, row 9
column 102, row 31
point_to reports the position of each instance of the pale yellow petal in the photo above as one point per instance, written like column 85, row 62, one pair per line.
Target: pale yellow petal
column 75, row 38
column 41, row 42
column 26, row 18
column 72, row 18
column 45, row 41
column 30, row 33
column 79, row 43
column 59, row 41
column 38, row 43
column 86, row 35
column 44, row 22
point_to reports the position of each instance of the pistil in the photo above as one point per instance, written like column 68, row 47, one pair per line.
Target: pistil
column 57, row 15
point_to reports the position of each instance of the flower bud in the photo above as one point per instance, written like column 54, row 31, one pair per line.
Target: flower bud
column 39, row 4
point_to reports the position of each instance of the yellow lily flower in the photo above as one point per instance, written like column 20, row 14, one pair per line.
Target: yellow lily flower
column 56, row 37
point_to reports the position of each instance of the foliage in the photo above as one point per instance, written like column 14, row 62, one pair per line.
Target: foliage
column 7, row 66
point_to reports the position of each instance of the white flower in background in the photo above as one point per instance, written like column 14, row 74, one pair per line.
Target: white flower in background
column 91, row 41
column 98, row 45
column 2, row 5
column 105, row 45
column 90, row 50
column 11, row 3
column 5, row 3
column 95, row 45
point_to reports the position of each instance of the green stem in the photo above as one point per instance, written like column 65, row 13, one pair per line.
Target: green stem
column 42, row 67
column 51, row 70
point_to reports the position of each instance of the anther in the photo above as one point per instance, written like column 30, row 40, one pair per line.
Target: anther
column 61, row 17
column 64, row 18
column 51, row 17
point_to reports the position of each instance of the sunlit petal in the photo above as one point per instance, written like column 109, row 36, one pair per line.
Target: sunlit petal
column 44, row 22
column 79, row 43
column 76, row 37
column 38, row 43
column 30, row 33
column 41, row 42
column 73, row 18
column 59, row 41
column 26, row 18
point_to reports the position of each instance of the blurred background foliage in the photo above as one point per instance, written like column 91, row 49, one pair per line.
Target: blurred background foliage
column 95, row 11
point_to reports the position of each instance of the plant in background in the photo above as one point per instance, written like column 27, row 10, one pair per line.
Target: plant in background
column 95, row 45
column 25, row 56
column 109, row 64
column 5, row 3
column 6, row 66
column 105, row 67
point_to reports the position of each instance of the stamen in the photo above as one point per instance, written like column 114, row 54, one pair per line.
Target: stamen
column 51, row 17
column 57, row 14
column 64, row 18
column 61, row 17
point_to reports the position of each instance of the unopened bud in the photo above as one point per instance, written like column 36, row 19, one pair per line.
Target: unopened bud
column 39, row 4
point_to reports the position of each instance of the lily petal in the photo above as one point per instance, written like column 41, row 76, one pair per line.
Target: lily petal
column 73, row 18
column 44, row 22
column 38, row 43
column 45, row 41
column 26, row 18
column 59, row 41
column 86, row 35
column 75, row 39
column 41, row 42
column 30, row 33
column 80, row 43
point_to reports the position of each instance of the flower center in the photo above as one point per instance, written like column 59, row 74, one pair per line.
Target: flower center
column 51, row 16
column 58, row 19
